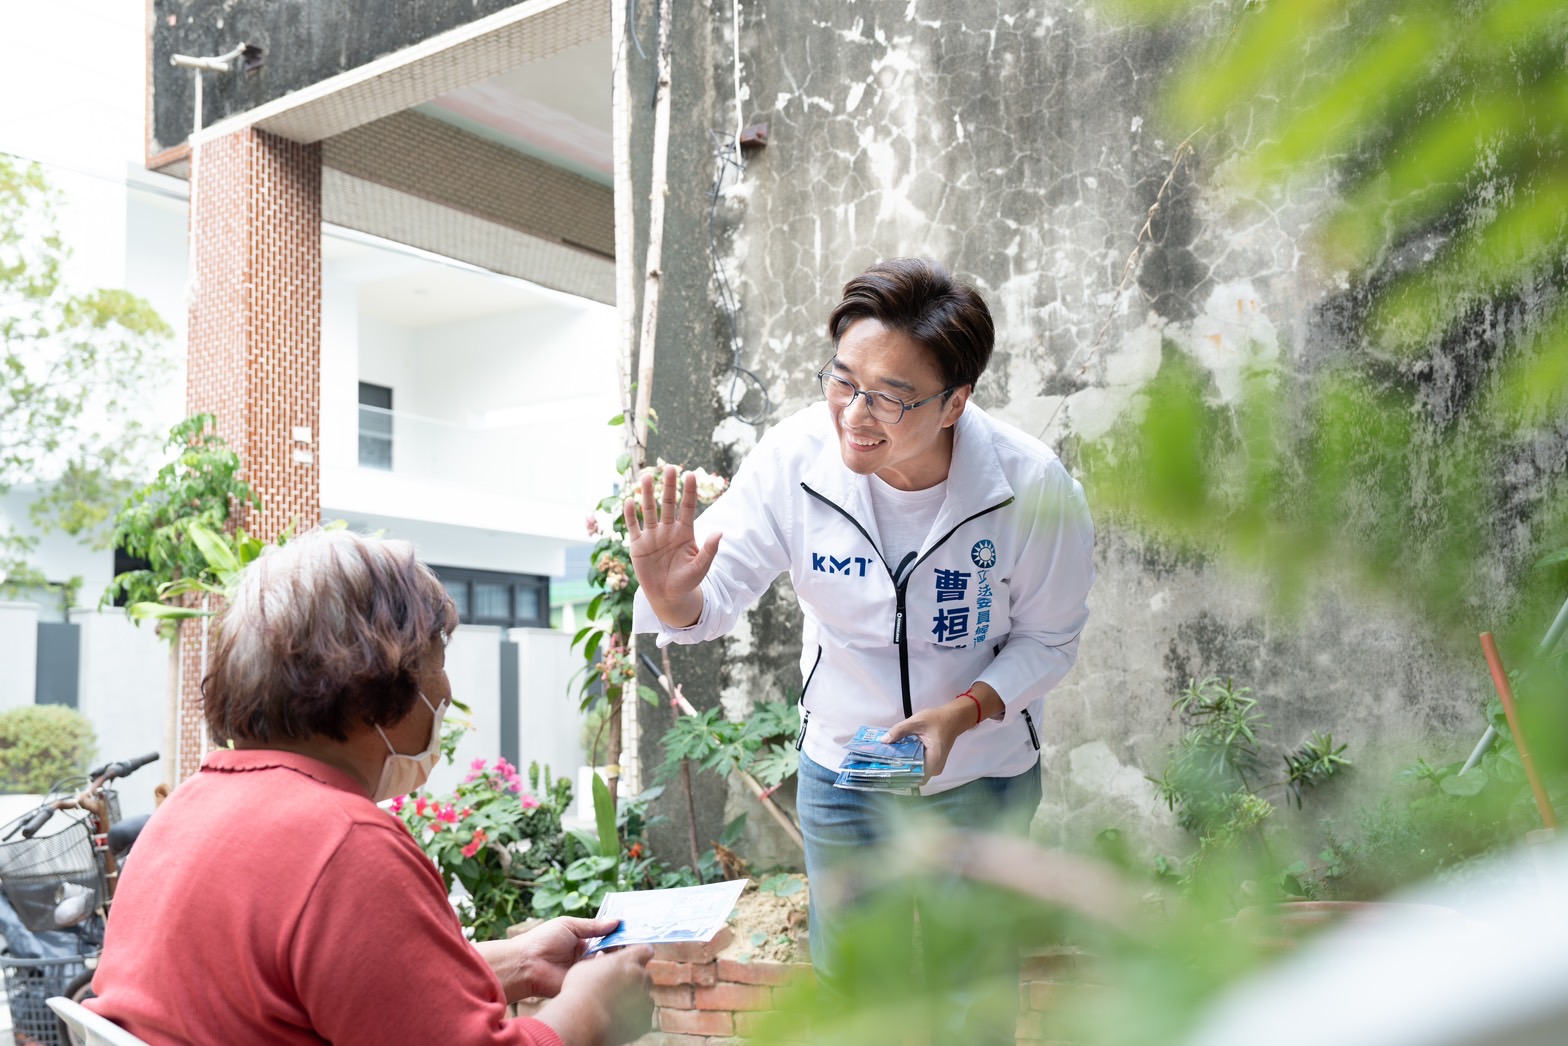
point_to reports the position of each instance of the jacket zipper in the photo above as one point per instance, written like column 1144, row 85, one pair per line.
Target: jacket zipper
column 900, row 579
column 805, row 715
column 1034, row 738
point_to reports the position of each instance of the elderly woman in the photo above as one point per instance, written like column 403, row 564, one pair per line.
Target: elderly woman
column 272, row 901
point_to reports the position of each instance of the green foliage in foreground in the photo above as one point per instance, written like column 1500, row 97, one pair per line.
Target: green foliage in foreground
column 1419, row 454
column 1444, row 124
column 1149, row 965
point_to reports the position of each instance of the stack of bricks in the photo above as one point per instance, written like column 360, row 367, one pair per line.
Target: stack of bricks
column 1045, row 976
column 704, row 998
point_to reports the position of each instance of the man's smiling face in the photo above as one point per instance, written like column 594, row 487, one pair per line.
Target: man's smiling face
column 914, row 453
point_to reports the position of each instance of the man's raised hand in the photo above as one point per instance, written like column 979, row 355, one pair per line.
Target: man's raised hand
column 663, row 545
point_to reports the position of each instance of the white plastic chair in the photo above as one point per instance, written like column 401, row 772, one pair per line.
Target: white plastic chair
column 90, row 1027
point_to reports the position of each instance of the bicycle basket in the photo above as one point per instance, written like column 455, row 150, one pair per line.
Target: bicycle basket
column 48, row 872
column 29, row 984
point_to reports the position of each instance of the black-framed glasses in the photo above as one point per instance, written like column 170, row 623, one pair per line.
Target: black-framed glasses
column 889, row 410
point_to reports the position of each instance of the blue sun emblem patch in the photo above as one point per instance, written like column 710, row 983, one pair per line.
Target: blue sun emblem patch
column 983, row 554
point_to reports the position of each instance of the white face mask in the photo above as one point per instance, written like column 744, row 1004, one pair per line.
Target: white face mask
column 402, row 774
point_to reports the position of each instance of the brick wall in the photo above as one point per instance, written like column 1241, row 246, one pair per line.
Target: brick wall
column 255, row 341
column 704, row 998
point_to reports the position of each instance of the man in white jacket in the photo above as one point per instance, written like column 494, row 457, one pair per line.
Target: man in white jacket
column 942, row 560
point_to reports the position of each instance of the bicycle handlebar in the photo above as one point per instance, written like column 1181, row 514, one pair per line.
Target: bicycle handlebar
column 126, row 767
column 99, row 775
column 123, row 768
column 39, row 818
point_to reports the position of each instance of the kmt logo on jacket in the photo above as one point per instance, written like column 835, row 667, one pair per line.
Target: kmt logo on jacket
column 984, row 554
column 854, row 566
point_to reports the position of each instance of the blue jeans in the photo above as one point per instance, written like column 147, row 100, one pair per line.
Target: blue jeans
column 842, row 827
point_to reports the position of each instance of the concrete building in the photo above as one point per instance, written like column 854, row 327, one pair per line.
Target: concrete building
column 401, row 316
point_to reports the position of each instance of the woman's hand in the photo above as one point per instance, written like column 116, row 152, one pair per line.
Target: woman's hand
column 604, row 999
column 663, row 546
column 533, row 965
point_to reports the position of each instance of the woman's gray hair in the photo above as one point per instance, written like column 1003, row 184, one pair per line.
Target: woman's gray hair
column 322, row 634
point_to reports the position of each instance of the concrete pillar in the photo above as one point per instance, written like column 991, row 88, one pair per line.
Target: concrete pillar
column 255, row 343
column 19, row 640
column 548, row 722
column 124, row 674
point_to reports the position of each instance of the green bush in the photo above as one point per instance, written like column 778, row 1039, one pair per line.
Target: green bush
column 40, row 744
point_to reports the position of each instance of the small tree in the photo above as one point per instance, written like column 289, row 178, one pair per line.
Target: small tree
column 177, row 523
column 71, row 365
column 40, row 744
column 199, row 488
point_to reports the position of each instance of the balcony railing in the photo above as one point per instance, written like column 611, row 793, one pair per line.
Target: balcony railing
column 553, row 452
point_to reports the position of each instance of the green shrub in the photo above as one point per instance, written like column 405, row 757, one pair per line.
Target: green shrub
column 40, row 744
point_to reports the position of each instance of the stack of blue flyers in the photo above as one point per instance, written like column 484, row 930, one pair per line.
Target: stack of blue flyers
column 872, row 765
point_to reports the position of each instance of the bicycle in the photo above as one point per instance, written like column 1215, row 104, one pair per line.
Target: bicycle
column 60, row 886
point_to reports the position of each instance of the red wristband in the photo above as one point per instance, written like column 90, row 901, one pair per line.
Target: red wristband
column 979, row 712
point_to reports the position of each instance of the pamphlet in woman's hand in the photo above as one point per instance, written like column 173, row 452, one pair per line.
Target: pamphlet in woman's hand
column 679, row 915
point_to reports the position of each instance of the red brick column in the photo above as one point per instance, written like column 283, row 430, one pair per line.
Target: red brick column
column 254, row 356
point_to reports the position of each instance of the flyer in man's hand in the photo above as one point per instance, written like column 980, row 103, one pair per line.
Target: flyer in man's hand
column 681, row 914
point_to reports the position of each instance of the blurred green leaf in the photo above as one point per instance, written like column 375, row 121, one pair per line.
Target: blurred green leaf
column 1465, row 785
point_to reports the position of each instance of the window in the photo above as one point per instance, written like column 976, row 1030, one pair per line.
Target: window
column 375, row 426
column 124, row 563
column 486, row 597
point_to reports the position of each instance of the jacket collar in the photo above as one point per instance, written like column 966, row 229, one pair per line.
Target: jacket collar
column 975, row 479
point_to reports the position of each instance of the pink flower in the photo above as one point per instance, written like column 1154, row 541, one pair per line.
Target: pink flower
column 420, row 805
column 477, row 766
column 447, row 814
column 473, row 846
column 528, row 802
column 593, row 526
column 397, row 804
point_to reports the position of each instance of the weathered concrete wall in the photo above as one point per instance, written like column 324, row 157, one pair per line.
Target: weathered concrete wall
column 1020, row 143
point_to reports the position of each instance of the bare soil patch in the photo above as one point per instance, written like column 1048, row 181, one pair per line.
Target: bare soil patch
column 770, row 924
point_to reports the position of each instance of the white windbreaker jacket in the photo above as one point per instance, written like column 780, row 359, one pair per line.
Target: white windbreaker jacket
column 997, row 592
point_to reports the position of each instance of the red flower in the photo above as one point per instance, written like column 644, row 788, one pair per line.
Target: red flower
column 473, row 847
column 420, row 806
column 635, row 850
